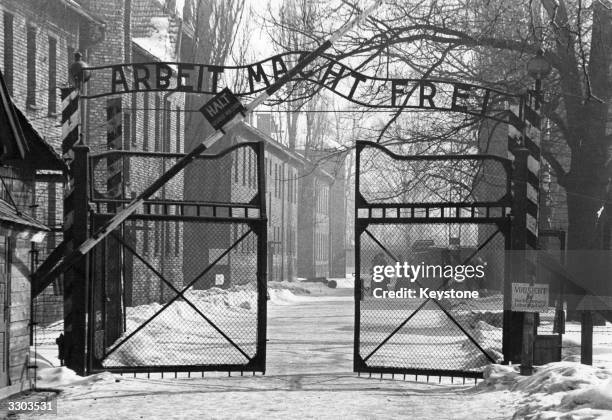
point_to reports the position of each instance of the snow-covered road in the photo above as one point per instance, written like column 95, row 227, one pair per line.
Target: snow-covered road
column 312, row 334
column 309, row 376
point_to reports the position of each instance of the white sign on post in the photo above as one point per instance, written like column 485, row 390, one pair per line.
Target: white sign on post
column 219, row 279
column 529, row 297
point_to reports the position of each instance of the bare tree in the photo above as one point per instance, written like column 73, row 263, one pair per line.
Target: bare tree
column 489, row 42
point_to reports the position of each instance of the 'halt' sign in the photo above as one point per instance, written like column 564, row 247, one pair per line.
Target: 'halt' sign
column 221, row 108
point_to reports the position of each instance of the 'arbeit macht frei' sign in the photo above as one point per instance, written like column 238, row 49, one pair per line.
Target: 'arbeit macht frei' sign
column 249, row 79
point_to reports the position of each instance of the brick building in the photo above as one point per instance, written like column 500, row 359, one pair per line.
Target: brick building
column 37, row 42
column 138, row 31
column 282, row 167
column 314, row 221
column 331, row 165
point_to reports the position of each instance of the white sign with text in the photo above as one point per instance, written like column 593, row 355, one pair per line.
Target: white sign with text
column 529, row 297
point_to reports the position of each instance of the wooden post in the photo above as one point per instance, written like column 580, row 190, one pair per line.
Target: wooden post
column 76, row 279
column 586, row 335
column 519, row 255
column 528, row 341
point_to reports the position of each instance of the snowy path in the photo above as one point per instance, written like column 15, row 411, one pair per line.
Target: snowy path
column 312, row 335
column 309, row 376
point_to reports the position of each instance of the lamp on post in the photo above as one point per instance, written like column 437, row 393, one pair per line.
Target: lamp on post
column 78, row 71
column 538, row 68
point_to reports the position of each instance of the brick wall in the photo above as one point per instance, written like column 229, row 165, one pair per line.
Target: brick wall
column 49, row 22
column 152, row 122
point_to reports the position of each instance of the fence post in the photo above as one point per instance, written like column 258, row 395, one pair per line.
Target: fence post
column 76, row 281
column 586, row 335
column 519, row 260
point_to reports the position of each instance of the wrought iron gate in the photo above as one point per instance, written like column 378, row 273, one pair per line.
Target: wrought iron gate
column 429, row 211
column 181, row 284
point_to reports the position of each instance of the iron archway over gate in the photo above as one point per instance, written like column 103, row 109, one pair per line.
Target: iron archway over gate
column 440, row 95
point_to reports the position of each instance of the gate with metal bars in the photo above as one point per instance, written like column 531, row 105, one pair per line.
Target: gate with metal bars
column 430, row 211
column 181, row 284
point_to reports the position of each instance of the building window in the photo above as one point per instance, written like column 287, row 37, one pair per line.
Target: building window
column 52, row 82
column 167, row 143
column 127, row 129
column 145, row 237
column 178, row 129
column 158, row 122
column 275, row 180
column 167, row 240
column 8, row 51
column 70, row 59
column 177, row 238
column 145, row 122
column 157, row 232
column 289, row 188
column 31, row 67
column 242, row 166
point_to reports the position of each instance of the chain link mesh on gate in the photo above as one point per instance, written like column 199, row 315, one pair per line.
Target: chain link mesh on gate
column 433, row 212
column 48, row 306
column 178, row 286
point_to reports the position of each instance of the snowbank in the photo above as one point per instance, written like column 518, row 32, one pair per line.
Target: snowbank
column 556, row 390
column 181, row 335
column 285, row 297
column 54, row 377
column 344, row 282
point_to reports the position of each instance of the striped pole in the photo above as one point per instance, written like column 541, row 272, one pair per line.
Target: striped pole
column 137, row 202
column 71, row 121
column 75, row 231
column 114, row 141
column 524, row 131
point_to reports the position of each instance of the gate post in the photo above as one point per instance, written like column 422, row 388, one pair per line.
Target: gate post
column 519, row 327
column 262, row 260
column 76, row 280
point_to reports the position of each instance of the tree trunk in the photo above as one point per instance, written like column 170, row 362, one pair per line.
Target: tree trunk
column 586, row 187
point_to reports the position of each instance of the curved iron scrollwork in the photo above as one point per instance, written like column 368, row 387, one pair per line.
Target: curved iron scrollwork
column 250, row 79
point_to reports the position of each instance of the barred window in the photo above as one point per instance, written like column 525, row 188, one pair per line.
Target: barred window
column 178, row 129
column 167, row 126
column 8, row 51
column 31, row 67
column 158, row 122
column 177, row 238
column 52, row 80
column 145, row 122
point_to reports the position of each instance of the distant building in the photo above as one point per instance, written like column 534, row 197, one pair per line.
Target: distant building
column 322, row 217
column 332, row 163
column 282, row 167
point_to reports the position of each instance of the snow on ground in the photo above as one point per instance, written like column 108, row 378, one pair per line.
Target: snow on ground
column 309, row 376
column 309, row 373
column 565, row 390
column 61, row 377
column 181, row 335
